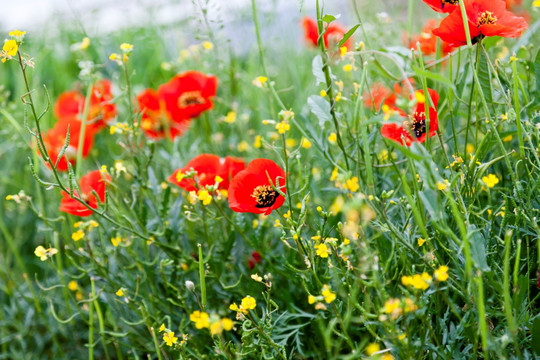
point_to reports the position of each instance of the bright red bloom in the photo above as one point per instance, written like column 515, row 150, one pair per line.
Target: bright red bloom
column 55, row 139
column 187, row 95
column 156, row 122
column 485, row 17
column 414, row 128
column 378, row 96
column 333, row 34
column 93, row 181
column 255, row 259
column 443, row 6
column 207, row 166
column 428, row 41
column 251, row 189
column 71, row 104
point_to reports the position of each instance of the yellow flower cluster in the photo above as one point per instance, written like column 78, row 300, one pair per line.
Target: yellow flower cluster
column 326, row 294
column 422, row 281
column 83, row 226
column 201, row 319
column 395, row 307
column 43, row 254
column 169, row 337
column 248, row 303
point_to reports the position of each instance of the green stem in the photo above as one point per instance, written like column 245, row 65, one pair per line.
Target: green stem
column 517, row 109
column 202, row 278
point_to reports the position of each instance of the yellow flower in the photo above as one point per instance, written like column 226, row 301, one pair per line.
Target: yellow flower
column 73, row 286
column 249, row 303
column 416, row 281
column 329, row 296
column 243, row 146
column 342, row 51
column 227, row 324
column 490, row 180
column 420, row 98
column 323, row 250
column 207, row 45
column 536, row 3
column 179, row 176
column 10, row 47
column 205, row 197
column 85, row 43
column 259, row 81
column 126, row 47
column 334, row 174
column 332, row 138
column 17, row 33
column 43, row 253
column 77, row 235
column 306, row 144
column 282, row 127
column 441, row 274
column 372, row 348
column 201, row 319
column 391, row 306
column 120, row 292
column 257, row 278
column 257, row 144
column 442, row 185
column 352, row 184
column 347, row 67
column 311, row 299
column 338, row 96
column 507, row 138
column 469, row 148
column 421, row 241
column 169, row 338
column 230, row 117
column 216, row 328
column 277, row 223
column 162, row 328
column 116, row 241
column 255, row 223
column 323, row 93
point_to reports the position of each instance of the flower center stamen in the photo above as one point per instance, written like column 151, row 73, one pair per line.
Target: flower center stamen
column 190, row 98
column 451, row 2
column 417, row 124
column 265, row 196
column 487, row 18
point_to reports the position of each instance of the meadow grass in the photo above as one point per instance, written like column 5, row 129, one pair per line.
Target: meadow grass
column 380, row 250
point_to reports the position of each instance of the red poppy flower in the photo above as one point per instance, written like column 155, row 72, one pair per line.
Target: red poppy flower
column 485, row 17
column 156, row 122
column 443, row 6
column 414, row 128
column 55, row 139
column 93, row 181
column 255, row 259
column 207, row 166
column 333, row 34
column 428, row 41
column 71, row 104
column 187, row 95
column 251, row 189
column 378, row 96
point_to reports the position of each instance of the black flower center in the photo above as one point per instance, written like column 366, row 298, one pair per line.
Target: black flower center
column 417, row 124
column 487, row 18
column 190, row 98
column 265, row 196
column 451, row 2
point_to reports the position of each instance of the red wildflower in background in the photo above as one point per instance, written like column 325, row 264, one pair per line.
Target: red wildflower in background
column 207, row 167
column 428, row 41
column 414, row 128
column 251, row 189
column 333, row 34
column 378, row 96
column 93, row 181
column 71, row 104
column 443, row 6
column 156, row 122
column 485, row 17
column 55, row 139
column 255, row 259
column 187, row 95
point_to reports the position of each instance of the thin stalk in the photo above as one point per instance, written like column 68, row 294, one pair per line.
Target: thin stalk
column 517, row 109
column 202, row 278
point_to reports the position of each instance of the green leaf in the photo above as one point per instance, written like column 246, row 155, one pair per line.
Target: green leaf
column 328, row 18
column 316, row 69
column 478, row 248
column 435, row 77
column 347, row 35
column 484, row 77
column 320, row 108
